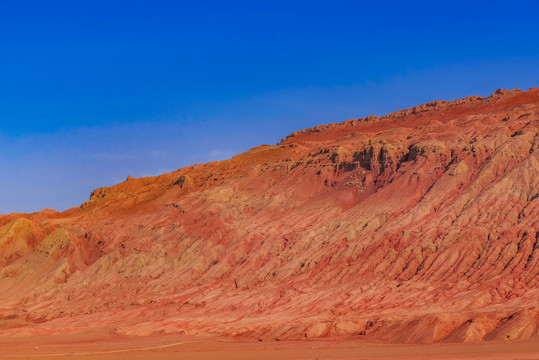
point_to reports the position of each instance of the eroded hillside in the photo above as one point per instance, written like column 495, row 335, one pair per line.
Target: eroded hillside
column 418, row 226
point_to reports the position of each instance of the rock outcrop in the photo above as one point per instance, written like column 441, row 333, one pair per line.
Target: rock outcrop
column 418, row 226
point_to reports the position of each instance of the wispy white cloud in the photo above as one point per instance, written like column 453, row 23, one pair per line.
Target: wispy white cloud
column 221, row 154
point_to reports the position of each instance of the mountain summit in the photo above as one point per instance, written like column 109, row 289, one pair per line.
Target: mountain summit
column 418, row 226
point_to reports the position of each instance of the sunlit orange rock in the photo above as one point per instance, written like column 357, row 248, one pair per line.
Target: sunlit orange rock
column 418, row 226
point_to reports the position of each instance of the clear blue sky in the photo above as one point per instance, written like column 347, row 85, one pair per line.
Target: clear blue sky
column 91, row 91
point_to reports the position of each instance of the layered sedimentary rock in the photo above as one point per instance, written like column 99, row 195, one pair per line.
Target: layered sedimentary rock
column 417, row 226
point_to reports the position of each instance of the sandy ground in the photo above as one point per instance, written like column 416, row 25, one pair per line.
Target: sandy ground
column 100, row 346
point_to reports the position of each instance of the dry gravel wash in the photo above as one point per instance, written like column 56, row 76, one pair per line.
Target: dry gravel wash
column 420, row 226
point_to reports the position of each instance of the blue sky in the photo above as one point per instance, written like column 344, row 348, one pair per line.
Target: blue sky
column 91, row 91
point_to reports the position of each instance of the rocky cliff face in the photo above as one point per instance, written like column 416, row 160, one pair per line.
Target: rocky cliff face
column 417, row 226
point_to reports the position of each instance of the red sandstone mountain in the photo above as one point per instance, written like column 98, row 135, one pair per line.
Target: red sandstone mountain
column 418, row 226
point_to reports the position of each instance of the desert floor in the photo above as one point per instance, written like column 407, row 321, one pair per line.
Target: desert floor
column 104, row 346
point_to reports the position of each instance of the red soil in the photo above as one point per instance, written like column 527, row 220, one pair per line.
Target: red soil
column 420, row 226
